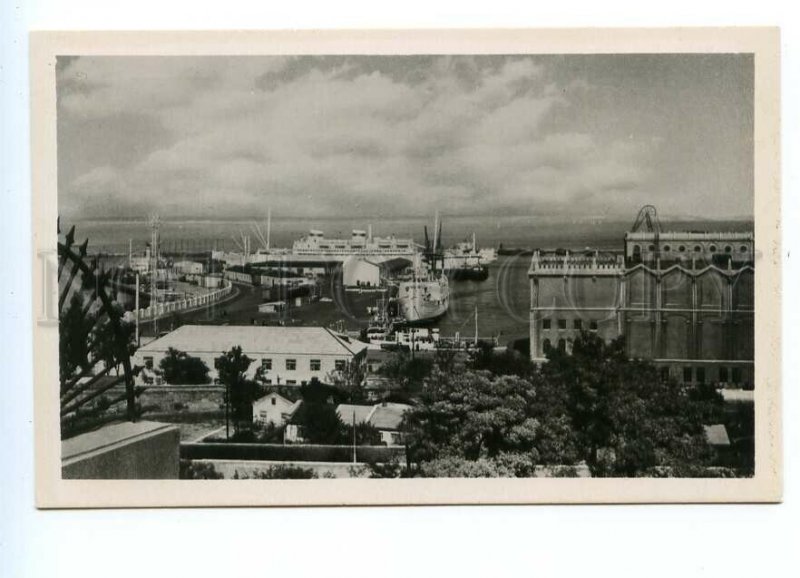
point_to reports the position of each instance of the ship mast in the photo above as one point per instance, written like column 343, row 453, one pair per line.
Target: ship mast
column 155, row 223
column 269, row 225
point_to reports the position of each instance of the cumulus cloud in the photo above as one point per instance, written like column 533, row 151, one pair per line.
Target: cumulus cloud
column 313, row 136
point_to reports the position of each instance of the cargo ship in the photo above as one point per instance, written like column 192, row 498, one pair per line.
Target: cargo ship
column 423, row 296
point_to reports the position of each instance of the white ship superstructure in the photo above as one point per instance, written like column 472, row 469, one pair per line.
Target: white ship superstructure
column 361, row 244
column 424, row 295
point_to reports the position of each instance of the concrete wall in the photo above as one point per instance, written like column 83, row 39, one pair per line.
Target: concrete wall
column 126, row 451
column 191, row 398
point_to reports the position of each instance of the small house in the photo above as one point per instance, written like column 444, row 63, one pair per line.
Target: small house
column 384, row 417
column 274, row 409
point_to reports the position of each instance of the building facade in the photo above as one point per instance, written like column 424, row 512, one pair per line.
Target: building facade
column 683, row 300
column 274, row 409
column 281, row 355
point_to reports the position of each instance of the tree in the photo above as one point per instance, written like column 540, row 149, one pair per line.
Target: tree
column 180, row 368
column 408, row 372
column 629, row 420
column 468, row 414
column 320, row 422
column 592, row 404
column 350, row 381
column 507, row 362
column 239, row 391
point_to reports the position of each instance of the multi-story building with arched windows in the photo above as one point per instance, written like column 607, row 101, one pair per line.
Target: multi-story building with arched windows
column 684, row 300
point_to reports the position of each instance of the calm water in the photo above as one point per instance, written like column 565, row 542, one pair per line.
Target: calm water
column 502, row 301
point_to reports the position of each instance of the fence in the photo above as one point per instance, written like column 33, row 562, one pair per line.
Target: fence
column 161, row 309
column 290, row 453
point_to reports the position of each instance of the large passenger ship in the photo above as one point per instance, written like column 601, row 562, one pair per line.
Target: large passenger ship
column 361, row 243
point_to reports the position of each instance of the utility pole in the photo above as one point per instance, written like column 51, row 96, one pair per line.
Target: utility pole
column 354, row 437
column 137, row 309
column 227, row 403
column 476, row 325
column 155, row 223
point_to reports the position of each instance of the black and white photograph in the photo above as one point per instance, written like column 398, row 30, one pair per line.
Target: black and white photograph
column 391, row 268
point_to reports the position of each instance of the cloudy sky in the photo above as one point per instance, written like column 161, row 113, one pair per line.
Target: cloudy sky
column 309, row 136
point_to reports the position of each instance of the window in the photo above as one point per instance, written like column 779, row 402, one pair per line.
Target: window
column 340, row 364
column 291, row 382
column 701, row 375
column 546, row 346
column 723, row 374
column 687, row 374
column 304, row 382
column 728, row 249
column 315, row 365
column 682, row 248
column 697, row 248
column 712, row 248
column 266, row 364
column 268, row 382
column 263, row 414
column 577, row 324
column 651, row 248
column 291, row 364
column 562, row 323
column 743, row 249
column 664, row 371
column 273, row 401
column 562, row 344
column 545, row 324
column 667, row 248
column 593, row 325
column 148, row 362
column 736, row 375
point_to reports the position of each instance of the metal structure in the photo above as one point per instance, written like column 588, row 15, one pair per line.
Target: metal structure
column 94, row 345
column 647, row 220
column 155, row 224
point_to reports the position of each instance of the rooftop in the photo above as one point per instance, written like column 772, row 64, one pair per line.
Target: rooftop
column 358, row 413
column 256, row 339
column 384, row 416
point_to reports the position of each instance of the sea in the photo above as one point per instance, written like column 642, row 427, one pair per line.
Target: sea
column 500, row 303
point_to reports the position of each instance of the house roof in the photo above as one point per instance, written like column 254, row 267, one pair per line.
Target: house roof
column 388, row 415
column 346, row 411
column 385, row 416
column 256, row 339
column 717, row 435
column 276, row 395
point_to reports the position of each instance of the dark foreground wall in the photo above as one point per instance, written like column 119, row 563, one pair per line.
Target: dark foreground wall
column 290, row 453
column 126, row 451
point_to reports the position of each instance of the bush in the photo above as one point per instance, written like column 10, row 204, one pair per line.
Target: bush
column 282, row 472
column 192, row 471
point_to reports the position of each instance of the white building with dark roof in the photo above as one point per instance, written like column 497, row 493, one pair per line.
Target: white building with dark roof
column 284, row 355
column 385, row 417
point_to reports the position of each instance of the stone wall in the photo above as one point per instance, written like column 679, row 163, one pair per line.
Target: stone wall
column 125, row 451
